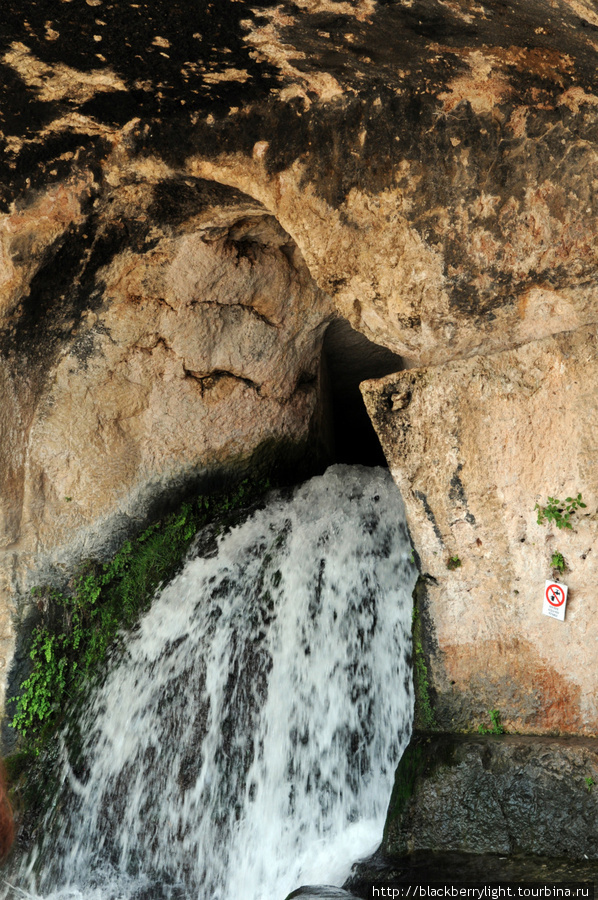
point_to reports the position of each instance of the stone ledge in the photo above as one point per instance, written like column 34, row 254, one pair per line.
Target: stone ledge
column 495, row 794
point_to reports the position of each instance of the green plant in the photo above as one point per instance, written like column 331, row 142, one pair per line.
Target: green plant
column 495, row 724
column 559, row 511
column 78, row 629
column 589, row 783
column 557, row 561
column 424, row 718
column 453, row 562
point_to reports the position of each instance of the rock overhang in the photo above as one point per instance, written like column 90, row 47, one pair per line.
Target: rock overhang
column 466, row 131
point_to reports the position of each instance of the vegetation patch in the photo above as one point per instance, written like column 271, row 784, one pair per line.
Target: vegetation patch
column 495, row 727
column 424, row 718
column 558, row 562
column 589, row 783
column 79, row 627
column 559, row 511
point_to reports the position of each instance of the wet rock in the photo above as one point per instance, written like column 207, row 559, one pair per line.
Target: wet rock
column 451, row 867
column 504, row 795
column 321, row 892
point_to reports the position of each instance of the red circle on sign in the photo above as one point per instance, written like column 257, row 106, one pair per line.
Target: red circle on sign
column 555, row 595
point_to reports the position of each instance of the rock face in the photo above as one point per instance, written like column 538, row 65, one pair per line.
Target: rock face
column 171, row 331
column 474, row 445
column 189, row 192
column 502, row 795
column 432, row 160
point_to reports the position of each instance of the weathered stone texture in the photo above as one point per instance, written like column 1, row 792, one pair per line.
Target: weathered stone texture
column 185, row 347
column 433, row 167
column 498, row 795
column 473, row 446
column 434, row 162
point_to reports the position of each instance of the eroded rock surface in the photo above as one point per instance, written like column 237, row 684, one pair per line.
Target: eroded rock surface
column 170, row 332
column 474, row 445
column 507, row 795
column 433, row 161
column 173, row 175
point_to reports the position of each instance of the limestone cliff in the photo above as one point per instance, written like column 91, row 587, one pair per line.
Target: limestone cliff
column 156, row 343
column 190, row 192
column 474, row 445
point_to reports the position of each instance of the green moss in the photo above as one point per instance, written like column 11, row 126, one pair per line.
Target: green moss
column 409, row 768
column 558, row 562
column 69, row 646
column 16, row 765
column 423, row 718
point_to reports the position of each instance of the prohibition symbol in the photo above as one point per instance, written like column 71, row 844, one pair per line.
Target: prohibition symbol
column 555, row 594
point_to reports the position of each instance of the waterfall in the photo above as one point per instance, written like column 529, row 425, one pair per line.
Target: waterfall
column 245, row 740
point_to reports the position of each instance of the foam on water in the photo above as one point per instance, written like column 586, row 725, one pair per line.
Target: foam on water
column 245, row 742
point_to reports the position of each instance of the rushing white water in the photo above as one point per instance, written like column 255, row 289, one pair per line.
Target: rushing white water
column 245, row 742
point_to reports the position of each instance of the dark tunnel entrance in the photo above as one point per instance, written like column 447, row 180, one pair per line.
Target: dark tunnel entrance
column 350, row 358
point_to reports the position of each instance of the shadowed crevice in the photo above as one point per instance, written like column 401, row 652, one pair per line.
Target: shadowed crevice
column 351, row 358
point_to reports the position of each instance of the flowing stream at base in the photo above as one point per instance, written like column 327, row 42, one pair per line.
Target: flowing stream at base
column 245, row 740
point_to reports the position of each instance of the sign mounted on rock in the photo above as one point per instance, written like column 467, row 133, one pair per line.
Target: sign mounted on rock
column 555, row 600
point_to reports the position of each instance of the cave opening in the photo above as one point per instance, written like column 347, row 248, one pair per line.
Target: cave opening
column 349, row 358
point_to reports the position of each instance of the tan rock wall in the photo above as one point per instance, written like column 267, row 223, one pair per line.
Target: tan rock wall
column 195, row 342
column 473, row 445
column 395, row 281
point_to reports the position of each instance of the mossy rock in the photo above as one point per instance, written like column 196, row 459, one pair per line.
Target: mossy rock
column 76, row 627
column 424, row 718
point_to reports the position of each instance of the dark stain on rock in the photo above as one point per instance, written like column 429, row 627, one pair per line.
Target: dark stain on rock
column 429, row 513
column 393, row 69
column 164, row 78
column 176, row 200
column 42, row 163
column 65, row 286
column 457, row 493
column 40, row 320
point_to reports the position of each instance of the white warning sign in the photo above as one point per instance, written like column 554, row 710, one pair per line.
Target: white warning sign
column 555, row 600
